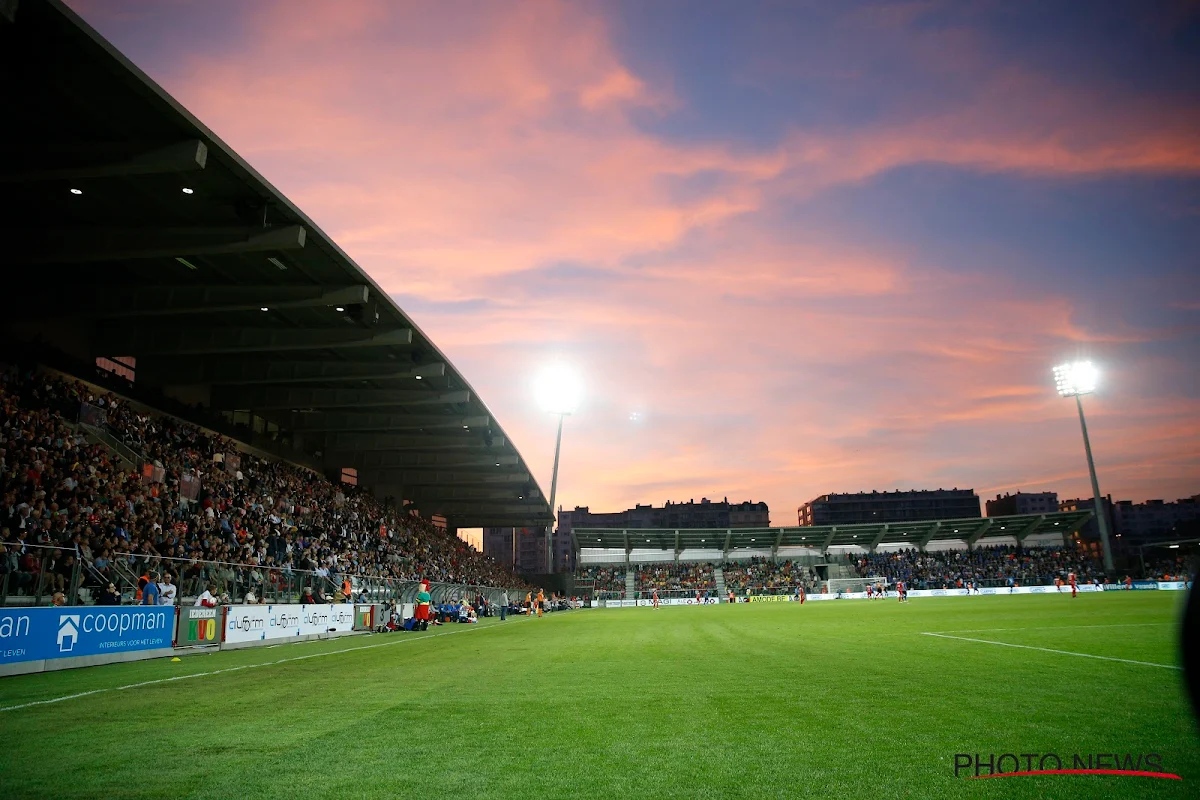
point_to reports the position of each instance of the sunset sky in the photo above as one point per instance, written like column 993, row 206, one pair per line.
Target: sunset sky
column 814, row 246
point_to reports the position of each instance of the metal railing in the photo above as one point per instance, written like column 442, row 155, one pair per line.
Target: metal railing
column 266, row 584
column 38, row 586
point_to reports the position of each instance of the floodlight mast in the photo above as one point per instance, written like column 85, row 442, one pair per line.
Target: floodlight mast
column 559, row 391
column 1073, row 380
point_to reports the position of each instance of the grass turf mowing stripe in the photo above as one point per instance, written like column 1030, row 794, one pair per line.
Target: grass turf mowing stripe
column 1049, row 650
column 140, row 684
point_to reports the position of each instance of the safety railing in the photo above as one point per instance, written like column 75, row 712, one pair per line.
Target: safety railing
column 86, row 581
column 35, row 574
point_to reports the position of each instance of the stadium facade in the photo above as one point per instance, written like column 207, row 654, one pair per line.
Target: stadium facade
column 1022, row 503
column 861, row 508
column 705, row 514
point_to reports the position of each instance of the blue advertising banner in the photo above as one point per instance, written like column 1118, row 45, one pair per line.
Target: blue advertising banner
column 1145, row 584
column 34, row 634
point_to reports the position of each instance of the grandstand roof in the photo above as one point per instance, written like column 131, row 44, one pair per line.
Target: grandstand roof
column 822, row 537
column 136, row 232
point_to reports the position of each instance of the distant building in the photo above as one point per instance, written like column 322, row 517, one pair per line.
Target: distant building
column 866, row 507
column 1155, row 519
column 1090, row 532
column 1022, row 503
column 528, row 547
column 705, row 514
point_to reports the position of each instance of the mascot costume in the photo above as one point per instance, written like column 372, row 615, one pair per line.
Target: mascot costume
column 422, row 614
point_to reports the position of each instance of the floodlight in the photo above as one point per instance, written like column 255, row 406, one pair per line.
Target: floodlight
column 1073, row 380
column 558, row 389
column 1076, row 378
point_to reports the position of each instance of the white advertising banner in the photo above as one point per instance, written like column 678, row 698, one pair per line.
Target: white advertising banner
column 665, row 601
column 1001, row 590
column 260, row 623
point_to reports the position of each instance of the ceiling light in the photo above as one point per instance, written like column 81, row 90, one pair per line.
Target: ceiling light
column 497, row 463
column 464, row 427
column 77, row 191
column 418, row 377
column 264, row 308
column 185, row 262
column 277, row 262
column 340, row 308
column 186, row 190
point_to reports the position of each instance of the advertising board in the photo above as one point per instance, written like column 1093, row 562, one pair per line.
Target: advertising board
column 260, row 623
column 35, row 634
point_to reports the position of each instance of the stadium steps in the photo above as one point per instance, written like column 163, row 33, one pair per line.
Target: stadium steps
column 719, row 580
column 630, row 584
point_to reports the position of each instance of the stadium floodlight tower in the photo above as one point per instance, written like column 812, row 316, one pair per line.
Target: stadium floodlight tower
column 558, row 390
column 1072, row 380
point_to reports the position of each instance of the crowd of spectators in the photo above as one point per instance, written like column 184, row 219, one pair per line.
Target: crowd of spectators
column 765, row 576
column 270, row 524
column 676, row 576
column 602, row 579
column 1179, row 568
column 993, row 565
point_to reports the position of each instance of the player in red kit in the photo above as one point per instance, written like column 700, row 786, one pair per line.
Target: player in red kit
column 1074, row 585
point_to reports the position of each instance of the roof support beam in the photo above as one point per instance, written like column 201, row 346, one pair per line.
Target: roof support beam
column 1024, row 533
column 778, row 541
column 728, row 542
column 104, row 162
column 90, row 245
column 350, row 422
column 448, row 477
column 164, row 341
column 420, row 494
column 878, row 538
column 436, row 459
column 924, row 541
column 173, row 371
column 270, row 399
column 1073, row 529
column 413, row 441
column 678, row 549
column 975, row 535
column 119, row 302
column 829, row 539
column 536, row 512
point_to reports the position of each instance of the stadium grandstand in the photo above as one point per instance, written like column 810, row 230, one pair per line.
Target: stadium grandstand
column 197, row 379
column 1033, row 549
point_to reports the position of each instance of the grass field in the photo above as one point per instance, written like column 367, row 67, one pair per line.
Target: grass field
column 830, row 700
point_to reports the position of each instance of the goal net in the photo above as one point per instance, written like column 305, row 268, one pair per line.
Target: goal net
column 854, row 584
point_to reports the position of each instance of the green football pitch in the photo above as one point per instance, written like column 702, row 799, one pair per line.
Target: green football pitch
column 832, row 700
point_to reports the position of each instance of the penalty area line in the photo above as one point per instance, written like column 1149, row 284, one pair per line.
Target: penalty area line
column 1050, row 650
column 239, row 668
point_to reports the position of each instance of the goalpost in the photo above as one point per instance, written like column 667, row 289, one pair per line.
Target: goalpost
column 854, row 584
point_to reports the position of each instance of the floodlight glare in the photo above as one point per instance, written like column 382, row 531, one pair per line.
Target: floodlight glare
column 1073, row 380
column 1076, row 378
column 558, row 389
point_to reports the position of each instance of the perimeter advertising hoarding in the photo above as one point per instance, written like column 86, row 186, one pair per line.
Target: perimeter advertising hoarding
column 198, row 626
column 36, row 634
column 261, row 623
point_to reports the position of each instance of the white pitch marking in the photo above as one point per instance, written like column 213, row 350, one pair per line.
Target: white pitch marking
column 1048, row 650
column 233, row 669
column 1057, row 627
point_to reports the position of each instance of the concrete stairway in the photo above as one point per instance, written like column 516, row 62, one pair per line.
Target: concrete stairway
column 630, row 583
column 719, row 580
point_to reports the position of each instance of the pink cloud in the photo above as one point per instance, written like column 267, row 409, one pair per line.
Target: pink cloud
column 464, row 157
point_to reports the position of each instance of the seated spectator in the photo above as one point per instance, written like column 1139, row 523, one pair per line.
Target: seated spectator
column 110, row 596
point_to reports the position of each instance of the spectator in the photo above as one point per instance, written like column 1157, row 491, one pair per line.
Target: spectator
column 166, row 591
column 110, row 596
column 208, row 597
